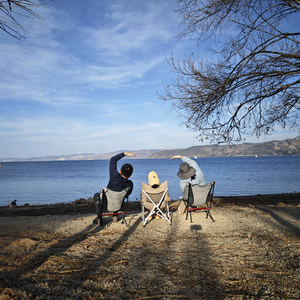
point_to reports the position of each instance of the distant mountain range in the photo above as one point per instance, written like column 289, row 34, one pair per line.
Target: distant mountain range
column 84, row 156
column 273, row 148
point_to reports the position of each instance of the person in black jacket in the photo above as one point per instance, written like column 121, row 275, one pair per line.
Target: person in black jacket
column 118, row 180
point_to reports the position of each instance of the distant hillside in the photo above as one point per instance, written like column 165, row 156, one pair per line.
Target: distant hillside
column 84, row 156
column 273, row 148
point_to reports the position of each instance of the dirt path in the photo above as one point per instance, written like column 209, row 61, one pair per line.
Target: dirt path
column 250, row 252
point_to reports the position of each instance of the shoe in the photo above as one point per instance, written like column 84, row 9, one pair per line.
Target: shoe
column 181, row 208
column 150, row 218
column 157, row 217
column 115, row 219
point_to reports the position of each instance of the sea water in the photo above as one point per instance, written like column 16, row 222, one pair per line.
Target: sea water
column 54, row 182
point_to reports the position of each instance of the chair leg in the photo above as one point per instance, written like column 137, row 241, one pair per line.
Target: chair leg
column 146, row 219
column 187, row 213
column 191, row 217
column 124, row 220
column 209, row 214
column 168, row 212
column 143, row 211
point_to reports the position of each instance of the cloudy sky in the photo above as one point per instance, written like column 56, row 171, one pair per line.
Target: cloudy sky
column 85, row 80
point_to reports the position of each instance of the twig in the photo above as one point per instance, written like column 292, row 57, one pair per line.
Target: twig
column 263, row 271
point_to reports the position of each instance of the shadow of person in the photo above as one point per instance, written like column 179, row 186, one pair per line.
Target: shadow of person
column 196, row 227
column 20, row 277
column 40, row 258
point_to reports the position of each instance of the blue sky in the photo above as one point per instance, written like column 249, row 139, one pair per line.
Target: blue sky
column 85, row 80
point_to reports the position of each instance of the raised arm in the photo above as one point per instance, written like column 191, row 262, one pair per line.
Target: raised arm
column 129, row 154
column 176, row 156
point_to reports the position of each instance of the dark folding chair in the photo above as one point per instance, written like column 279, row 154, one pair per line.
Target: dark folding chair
column 198, row 195
column 110, row 203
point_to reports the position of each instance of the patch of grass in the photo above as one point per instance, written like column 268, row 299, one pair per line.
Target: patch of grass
column 238, row 209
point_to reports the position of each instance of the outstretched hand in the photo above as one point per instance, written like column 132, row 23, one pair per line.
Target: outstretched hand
column 176, row 156
column 129, row 154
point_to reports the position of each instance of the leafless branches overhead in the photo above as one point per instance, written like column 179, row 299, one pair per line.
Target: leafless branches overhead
column 251, row 83
column 11, row 10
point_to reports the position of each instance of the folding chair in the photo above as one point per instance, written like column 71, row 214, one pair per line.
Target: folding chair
column 110, row 203
column 198, row 195
column 155, row 199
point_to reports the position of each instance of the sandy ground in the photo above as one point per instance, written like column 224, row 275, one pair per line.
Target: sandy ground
column 250, row 252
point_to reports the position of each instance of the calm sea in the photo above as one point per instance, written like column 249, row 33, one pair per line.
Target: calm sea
column 65, row 181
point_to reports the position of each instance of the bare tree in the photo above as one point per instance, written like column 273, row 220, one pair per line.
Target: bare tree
column 250, row 83
column 9, row 9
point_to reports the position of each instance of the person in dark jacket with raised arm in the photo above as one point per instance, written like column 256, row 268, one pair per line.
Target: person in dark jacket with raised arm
column 118, row 180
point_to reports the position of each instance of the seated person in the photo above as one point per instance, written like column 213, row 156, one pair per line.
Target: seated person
column 153, row 182
column 118, row 180
column 189, row 171
column 13, row 204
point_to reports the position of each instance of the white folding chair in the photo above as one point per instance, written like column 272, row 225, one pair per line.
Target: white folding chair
column 155, row 199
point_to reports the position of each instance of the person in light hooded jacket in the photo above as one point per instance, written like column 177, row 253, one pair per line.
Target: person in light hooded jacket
column 189, row 172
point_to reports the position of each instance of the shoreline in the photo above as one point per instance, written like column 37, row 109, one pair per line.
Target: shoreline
column 82, row 206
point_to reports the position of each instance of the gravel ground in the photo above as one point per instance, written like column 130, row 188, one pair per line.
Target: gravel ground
column 249, row 252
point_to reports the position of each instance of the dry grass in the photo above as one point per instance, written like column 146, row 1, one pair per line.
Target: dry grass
column 248, row 253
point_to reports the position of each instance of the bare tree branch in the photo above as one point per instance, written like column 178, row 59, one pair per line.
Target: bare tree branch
column 10, row 8
column 248, row 86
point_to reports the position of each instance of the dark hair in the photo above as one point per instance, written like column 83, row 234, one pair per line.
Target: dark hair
column 126, row 170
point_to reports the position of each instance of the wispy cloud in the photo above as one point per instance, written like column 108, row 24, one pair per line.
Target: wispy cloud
column 45, row 70
column 73, row 132
column 85, row 80
column 127, row 31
